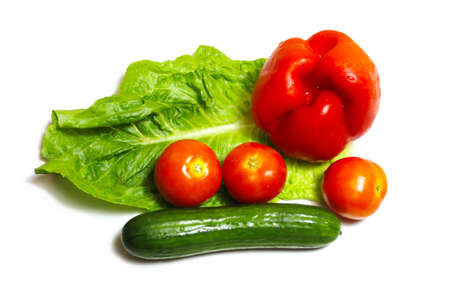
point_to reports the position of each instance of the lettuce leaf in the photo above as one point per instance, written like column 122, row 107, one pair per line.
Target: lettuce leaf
column 109, row 150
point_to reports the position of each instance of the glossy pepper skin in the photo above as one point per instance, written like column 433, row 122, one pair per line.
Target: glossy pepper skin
column 315, row 96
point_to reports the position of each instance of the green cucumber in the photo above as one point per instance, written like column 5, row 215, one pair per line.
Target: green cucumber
column 181, row 232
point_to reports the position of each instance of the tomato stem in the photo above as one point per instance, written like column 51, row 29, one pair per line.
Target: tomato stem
column 253, row 163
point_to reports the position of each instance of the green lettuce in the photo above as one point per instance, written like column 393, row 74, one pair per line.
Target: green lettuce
column 109, row 150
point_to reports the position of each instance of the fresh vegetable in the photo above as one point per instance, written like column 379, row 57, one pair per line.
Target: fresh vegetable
column 175, row 233
column 315, row 96
column 254, row 173
column 354, row 187
column 188, row 173
column 110, row 149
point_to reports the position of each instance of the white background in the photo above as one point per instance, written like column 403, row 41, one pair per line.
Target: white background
column 58, row 243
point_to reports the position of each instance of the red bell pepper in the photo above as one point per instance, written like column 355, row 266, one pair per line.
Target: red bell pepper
column 314, row 96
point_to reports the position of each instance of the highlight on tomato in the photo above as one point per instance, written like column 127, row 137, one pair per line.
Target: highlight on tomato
column 254, row 173
column 354, row 187
column 188, row 173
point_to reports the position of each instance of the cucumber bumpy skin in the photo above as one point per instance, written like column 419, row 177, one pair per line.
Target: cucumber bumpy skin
column 181, row 232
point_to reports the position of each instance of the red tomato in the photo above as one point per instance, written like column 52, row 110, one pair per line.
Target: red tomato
column 188, row 173
column 254, row 173
column 354, row 187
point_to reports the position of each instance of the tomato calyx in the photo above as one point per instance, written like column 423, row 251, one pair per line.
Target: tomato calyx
column 195, row 167
column 253, row 163
column 377, row 189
